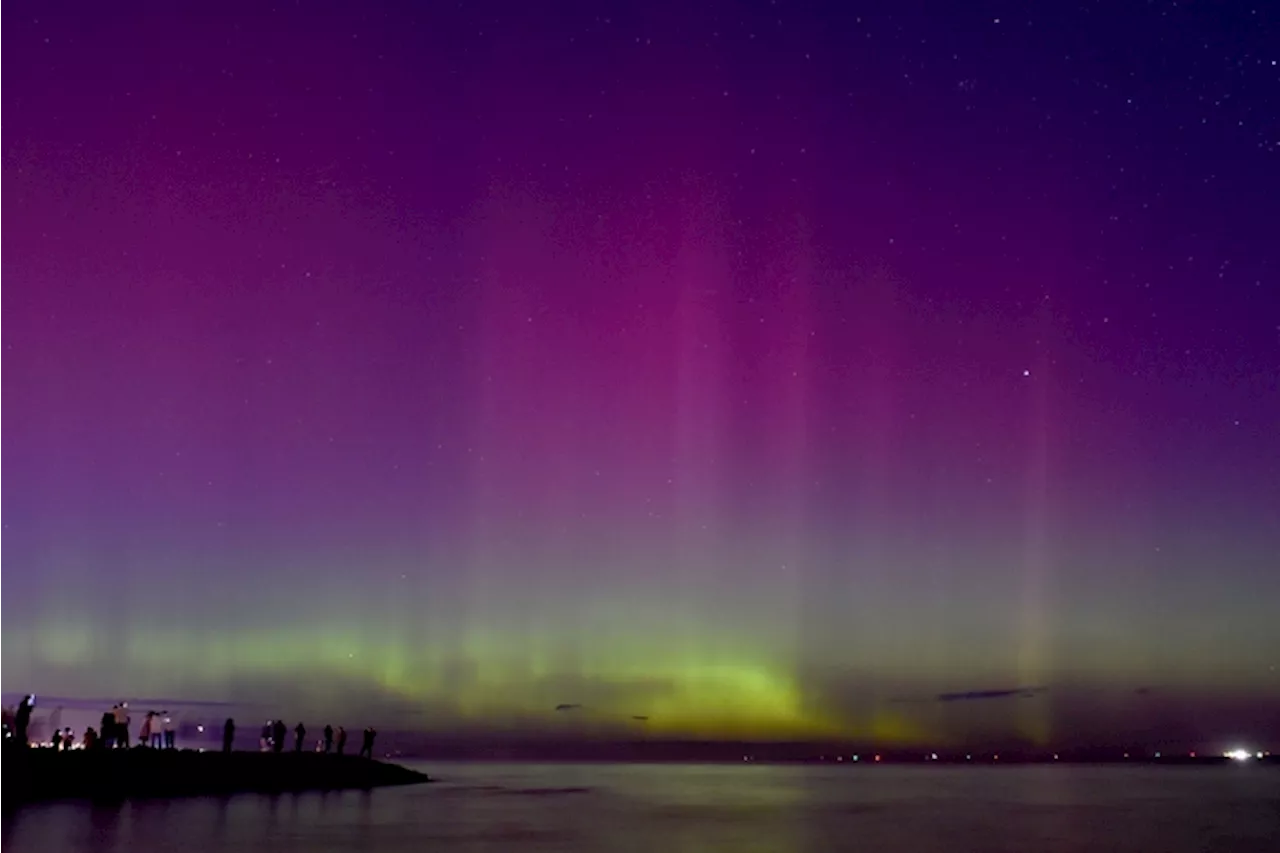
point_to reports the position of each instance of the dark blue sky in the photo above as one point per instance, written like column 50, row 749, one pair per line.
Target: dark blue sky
column 740, row 365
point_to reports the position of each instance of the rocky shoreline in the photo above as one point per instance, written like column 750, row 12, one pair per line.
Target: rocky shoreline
column 36, row 775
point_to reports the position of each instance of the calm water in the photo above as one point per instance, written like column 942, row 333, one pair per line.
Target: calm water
column 703, row 808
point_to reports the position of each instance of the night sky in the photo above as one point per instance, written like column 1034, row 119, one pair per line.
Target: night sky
column 764, row 369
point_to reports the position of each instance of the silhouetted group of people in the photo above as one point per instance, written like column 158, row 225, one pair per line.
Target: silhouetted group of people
column 17, row 729
column 114, row 731
column 157, row 729
column 275, row 733
column 65, row 740
column 157, row 732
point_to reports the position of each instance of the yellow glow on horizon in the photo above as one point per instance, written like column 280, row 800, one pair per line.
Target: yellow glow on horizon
column 631, row 683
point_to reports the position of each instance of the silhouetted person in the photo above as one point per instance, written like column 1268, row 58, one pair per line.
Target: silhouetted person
column 149, row 732
column 170, row 737
column 57, row 740
column 328, row 739
column 90, row 738
column 68, row 739
column 265, row 742
column 108, row 728
column 366, row 746
column 22, row 720
column 122, row 725
column 299, row 732
column 342, row 740
column 278, row 731
column 228, row 734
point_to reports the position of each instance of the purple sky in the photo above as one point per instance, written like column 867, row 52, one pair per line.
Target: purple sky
column 747, row 367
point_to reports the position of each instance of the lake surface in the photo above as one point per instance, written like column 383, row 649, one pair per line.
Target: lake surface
column 649, row 808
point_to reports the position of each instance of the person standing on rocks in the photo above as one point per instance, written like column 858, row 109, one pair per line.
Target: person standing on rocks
column 22, row 719
column 122, row 725
column 278, row 732
column 366, row 748
column 107, row 731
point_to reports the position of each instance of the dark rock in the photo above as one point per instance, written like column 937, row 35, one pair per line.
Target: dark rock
column 33, row 775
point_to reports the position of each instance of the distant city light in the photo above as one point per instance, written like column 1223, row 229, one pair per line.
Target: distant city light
column 1239, row 754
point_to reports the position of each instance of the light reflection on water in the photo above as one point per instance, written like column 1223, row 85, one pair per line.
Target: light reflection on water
column 479, row 807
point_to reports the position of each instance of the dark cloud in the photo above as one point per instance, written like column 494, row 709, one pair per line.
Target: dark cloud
column 974, row 695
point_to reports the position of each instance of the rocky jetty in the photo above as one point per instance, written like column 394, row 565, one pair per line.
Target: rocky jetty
column 33, row 775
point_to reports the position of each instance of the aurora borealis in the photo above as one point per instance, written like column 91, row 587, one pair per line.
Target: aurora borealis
column 760, row 369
